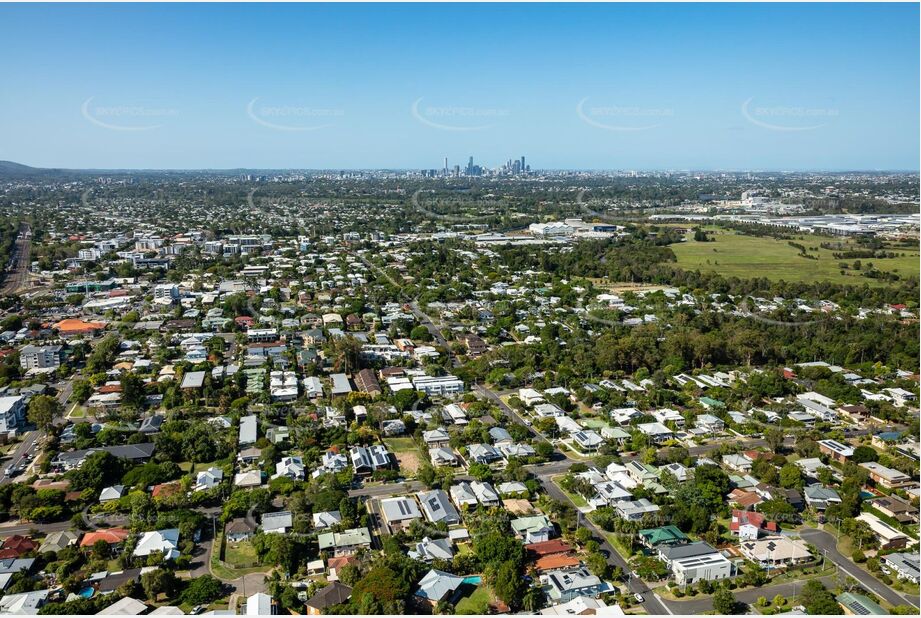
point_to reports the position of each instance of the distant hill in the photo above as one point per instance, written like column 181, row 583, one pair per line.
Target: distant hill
column 12, row 170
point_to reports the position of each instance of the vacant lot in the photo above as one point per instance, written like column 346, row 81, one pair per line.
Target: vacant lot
column 407, row 454
column 734, row 255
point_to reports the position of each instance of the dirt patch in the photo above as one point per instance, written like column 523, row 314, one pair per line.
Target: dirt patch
column 409, row 462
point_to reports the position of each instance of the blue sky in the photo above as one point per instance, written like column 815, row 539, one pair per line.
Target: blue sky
column 780, row 87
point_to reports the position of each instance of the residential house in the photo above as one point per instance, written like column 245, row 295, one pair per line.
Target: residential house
column 855, row 604
column 428, row 550
column 326, row 519
column 365, row 460
column 335, row 593
column 564, row 586
column 820, row 497
column 442, row 457
column 748, row 525
column 239, row 529
column 165, row 542
column 888, row 536
column 885, row 477
column 208, row 479
column 112, row 536
column 896, row 508
column 902, row 565
column 694, row 562
column 437, row 507
column 437, row 586
column 399, row 512
column 836, row 450
column 344, row 543
column 776, row 551
column 436, row 438
column 533, row 529
column 290, row 467
column 483, row 453
column 278, row 522
column 635, row 510
column 664, row 535
column 56, row 541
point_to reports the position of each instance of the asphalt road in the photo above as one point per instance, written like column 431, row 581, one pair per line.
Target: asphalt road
column 24, row 528
column 825, row 543
column 705, row 604
column 27, row 446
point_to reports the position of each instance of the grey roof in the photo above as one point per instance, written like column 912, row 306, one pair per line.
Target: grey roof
column 347, row 538
column 193, row 379
column 432, row 549
column 249, row 429
column 500, row 434
column 437, row 507
column 15, row 565
column 820, row 493
column 341, row 385
column 281, row 519
column 677, row 552
column 400, row 509
column 125, row 451
column 437, row 585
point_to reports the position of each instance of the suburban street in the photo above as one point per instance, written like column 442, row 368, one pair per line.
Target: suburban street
column 651, row 601
column 825, row 542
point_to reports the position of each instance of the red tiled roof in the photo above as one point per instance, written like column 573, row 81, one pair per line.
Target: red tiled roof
column 556, row 561
column 109, row 535
column 746, row 498
column 546, row 548
column 740, row 518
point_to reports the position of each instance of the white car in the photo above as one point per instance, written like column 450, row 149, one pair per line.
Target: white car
column 638, row 597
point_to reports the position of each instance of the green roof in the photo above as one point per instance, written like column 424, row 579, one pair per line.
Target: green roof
column 860, row 605
column 665, row 534
column 713, row 403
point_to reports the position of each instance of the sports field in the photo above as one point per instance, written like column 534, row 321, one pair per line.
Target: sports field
column 734, row 255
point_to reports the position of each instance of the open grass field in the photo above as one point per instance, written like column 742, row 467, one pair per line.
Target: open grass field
column 734, row 255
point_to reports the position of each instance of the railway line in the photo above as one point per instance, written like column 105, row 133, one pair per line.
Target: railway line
column 16, row 276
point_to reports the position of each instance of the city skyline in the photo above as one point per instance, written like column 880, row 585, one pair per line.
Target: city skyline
column 778, row 87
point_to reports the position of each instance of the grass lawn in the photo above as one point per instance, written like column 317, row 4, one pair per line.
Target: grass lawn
column 576, row 499
column 401, row 445
column 476, row 603
column 734, row 255
column 240, row 554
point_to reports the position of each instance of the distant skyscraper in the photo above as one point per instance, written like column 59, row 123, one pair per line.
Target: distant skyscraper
column 446, row 166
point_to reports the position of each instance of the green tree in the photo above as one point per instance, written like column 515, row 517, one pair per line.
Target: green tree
column 817, row 599
column 202, row 590
column 724, row 602
column 43, row 409
column 509, row 585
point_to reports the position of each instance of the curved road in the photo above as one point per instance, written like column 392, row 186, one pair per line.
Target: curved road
column 825, row 542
